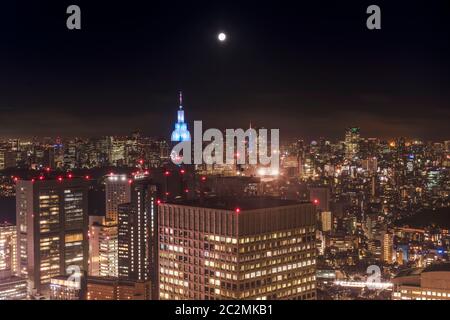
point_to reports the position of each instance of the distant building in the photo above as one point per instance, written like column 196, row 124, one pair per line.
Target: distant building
column 370, row 165
column 237, row 249
column 8, row 248
column 320, row 197
column 103, row 249
column 109, row 288
column 388, row 248
column 352, row 139
column 65, row 288
column 117, row 190
column 181, row 132
column 327, row 221
column 52, row 224
column 430, row 283
column 374, row 247
column 7, row 159
column 12, row 287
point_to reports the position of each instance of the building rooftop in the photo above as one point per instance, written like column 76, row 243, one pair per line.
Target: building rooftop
column 436, row 267
column 233, row 203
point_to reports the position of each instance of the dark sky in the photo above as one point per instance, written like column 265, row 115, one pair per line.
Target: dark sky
column 309, row 69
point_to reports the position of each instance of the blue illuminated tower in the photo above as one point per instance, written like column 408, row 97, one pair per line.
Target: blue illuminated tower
column 181, row 132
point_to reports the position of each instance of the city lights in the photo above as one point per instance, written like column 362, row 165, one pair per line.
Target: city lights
column 235, row 158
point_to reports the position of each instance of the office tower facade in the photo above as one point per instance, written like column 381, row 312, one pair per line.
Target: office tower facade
column 351, row 143
column 326, row 220
column 370, row 165
column 52, row 224
column 12, row 287
column 8, row 248
column 103, row 249
column 255, row 248
column 108, row 288
column 138, row 239
column 118, row 190
column 65, row 288
column 388, row 247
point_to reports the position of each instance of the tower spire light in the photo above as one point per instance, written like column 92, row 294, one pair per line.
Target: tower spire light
column 181, row 132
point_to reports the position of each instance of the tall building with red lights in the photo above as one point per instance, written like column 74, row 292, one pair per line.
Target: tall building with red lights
column 52, row 228
column 248, row 248
column 137, row 234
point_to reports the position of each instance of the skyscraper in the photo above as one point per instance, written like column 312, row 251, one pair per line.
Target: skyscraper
column 118, row 190
column 103, row 246
column 52, row 224
column 327, row 221
column 138, row 239
column 352, row 139
column 251, row 248
column 181, row 132
column 388, row 247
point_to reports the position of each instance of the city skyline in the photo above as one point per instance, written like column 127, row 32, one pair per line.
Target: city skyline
column 252, row 151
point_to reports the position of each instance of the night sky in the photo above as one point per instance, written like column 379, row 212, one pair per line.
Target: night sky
column 310, row 70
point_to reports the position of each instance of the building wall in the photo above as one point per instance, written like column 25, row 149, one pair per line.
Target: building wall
column 108, row 288
column 222, row 254
column 52, row 221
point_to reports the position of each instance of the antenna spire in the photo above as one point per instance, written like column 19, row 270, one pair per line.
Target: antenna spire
column 181, row 99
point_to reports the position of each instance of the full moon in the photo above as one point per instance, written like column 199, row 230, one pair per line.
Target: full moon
column 222, row 37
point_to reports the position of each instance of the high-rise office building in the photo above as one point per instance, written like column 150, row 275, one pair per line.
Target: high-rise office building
column 352, row 139
column 388, row 247
column 52, row 228
column 8, row 248
column 118, row 190
column 248, row 248
column 138, row 239
column 12, row 287
column 103, row 249
column 327, row 221
column 370, row 165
